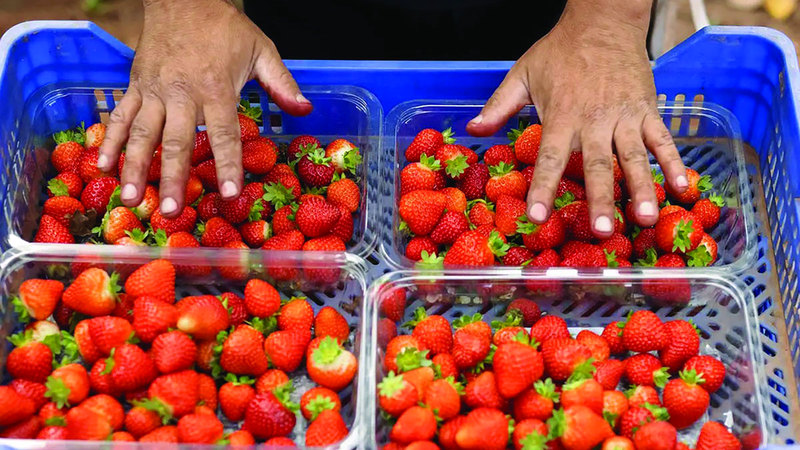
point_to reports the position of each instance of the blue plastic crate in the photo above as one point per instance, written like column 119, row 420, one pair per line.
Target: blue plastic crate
column 752, row 72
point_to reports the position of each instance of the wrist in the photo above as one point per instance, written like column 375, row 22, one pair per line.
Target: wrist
column 614, row 16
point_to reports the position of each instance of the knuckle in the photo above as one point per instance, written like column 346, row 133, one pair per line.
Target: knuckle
column 227, row 165
column 140, row 132
column 595, row 114
column 597, row 163
column 632, row 156
column 223, row 137
column 172, row 149
column 549, row 158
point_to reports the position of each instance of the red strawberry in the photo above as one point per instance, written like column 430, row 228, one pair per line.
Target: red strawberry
column 516, row 365
column 496, row 154
column 579, row 427
column 705, row 254
column 173, row 395
column 541, row 237
column 685, row 400
column 510, row 211
column 569, row 191
column 473, row 181
column 173, row 351
column 608, row 373
column 207, row 172
column 272, row 380
column 97, row 193
column 259, row 155
column 549, row 327
column 658, row 435
column 697, row 185
column 426, row 142
column 469, row 349
column 200, row 427
column 562, row 355
column 424, row 175
column 644, row 332
column 421, row 210
column 283, row 186
column 117, row 222
column 86, row 424
column 283, row 220
column 451, row 225
column 184, row 222
column 330, row 365
column 202, row 316
column 518, row 256
column 447, row 433
column 30, row 360
column 484, row 428
column 261, row 298
column 536, row 402
column 315, row 217
column 678, row 232
column 714, row 436
column 106, row 406
column 344, row 192
column 268, row 416
column 87, row 166
column 300, row 144
column 248, row 117
column 615, row 404
column 217, row 232
column 239, row 209
column 68, row 151
column 455, row 159
column 612, row 333
column 31, row 390
column 526, row 143
column 255, row 233
column 108, row 332
column 505, row 180
column 707, row 210
column 65, row 184
column 528, row 310
column 432, row 331
column 417, row 245
column 395, row 394
column 315, row 169
column 474, row 249
column 415, row 424
column 156, row 279
column 709, row 368
column 684, row 343
column 619, row 245
column 576, row 217
column 481, row 213
column 93, row 293
column 587, row 391
column 14, row 407
column 202, row 148
column 642, row 395
column 644, row 240
column 53, row 231
column 37, row 299
column 318, row 399
column 95, row 135
column 235, row 395
column 242, row 352
column 329, row 322
column 152, row 317
column 644, row 369
column 63, row 208
column 209, row 206
column 130, row 367
column 344, row 156
column 167, row 433
column 285, row 349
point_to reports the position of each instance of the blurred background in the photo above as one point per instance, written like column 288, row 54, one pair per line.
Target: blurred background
column 123, row 18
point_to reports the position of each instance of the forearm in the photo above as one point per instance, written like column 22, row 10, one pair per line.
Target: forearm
column 609, row 14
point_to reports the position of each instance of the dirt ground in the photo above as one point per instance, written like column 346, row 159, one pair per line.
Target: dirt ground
column 123, row 18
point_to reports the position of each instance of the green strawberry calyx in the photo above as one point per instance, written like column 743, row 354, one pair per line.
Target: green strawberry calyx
column 239, row 380
column 699, row 257
column 547, row 389
column 463, row 321
column 456, row 166
column 410, row 358
column 216, row 369
column 109, row 363
column 77, row 135
column 660, row 377
column 55, row 421
column 459, row 388
column 429, row 261
column 525, row 226
column 58, row 188
column 253, row 112
column 580, row 373
column 352, row 160
column 611, row 258
column 556, row 424
column 447, row 136
column 705, row 184
column 716, row 200
column 500, row 169
column 283, row 393
column 264, row 325
column 160, row 237
column 658, row 177
column 611, row 418
column 430, row 162
column 318, row 404
column 472, row 203
column 658, row 412
column 23, row 314
column 278, row 195
column 317, row 156
column 256, row 210
column 157, row 406
column 419, row 315
column 21, row 338
column 497, row 245
column 57, row 391
column 137, row 235
column 328, row 351
column 681, row 240
column 391, row 384
column 68, row 348
column 691, row 377
column 534, row 441
column 649, row 260
column 565, row 199
column 512, row 318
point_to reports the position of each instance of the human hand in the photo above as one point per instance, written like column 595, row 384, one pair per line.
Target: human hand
column 592, row 85
column 192, row 60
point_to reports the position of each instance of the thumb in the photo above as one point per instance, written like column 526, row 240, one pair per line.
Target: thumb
column 508, row 99
column 276, row 79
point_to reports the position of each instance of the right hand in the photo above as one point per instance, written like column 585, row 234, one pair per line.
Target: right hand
column 192, row 60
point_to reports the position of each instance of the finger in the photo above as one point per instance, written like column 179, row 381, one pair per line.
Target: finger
column 222, row 126
column 510, row 97
column 144, row 136
column 659, row 140
column 557, row 137
column 598, row 172
column 636, row 166
column 176, row 153
column 119, row 124
column 276, row 79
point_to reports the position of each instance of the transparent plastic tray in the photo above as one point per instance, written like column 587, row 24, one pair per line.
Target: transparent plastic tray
column 339, row 112
column 722, row 311
column 707, row 137
column 339, row 284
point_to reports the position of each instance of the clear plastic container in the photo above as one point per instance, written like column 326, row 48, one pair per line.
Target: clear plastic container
column 339, row 112
column 722, row 311
column 707, row 137
column 340, row 285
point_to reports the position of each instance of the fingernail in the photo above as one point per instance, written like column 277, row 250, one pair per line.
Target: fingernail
column 301, row 99
column 168, row 205
column 602, row 224
column 102, row 161
column 478, row 119
column 647, row 209
column 128, row 192
column 682, row 182
column 538, row 212
column 228, row 189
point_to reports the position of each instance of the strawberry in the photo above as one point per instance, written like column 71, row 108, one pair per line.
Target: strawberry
column 29, row 360
column 401, row 345
column 242, row 352
column 87, row 166
column 318, row 399
column 122, row 436
column 330, row 365
column 421, row 210
column 641, row 395
column 549, row 327
column 313, row 270
column 598, row 345
column 426, row 174
column 173, row 351
column 344, row 156
column 300, row 144
column 14, row 407
column 678, row 231
column 387, row 330
column 518, row 256
column 236, row 271
column 68, row 385
column 235, row 395
column 271, row 380
column 239, row 209
column 97, row 193
column 53, row 433
column 209, row 206
column 327, row 429
column 95, row 135
column 481, row 392
column 426, row 142
column 658, row 435
column 473, row 181
column 87, row 425
column 184, row 222
column 541, row 237
column 65, row 184
column 569, row 191
column 432, row 331
column 316, row 217
column 480, row 213
column 508, row 211
column 116, row 223
column 582, row 389
column 714, row 436
column 285, row 349
column 329, row 322
column 283, row 220
column 31, row 390
column 645, row 239
column 644, row 332
column 217, row 232
column 415, row 424
column 619, row 245
column 451, row 225
column 526, row 143
column 108, row 332
column 296, row 314
column 200, row 427
column 578, row 427
column 562, row 356
column 677, row 291
column 53, row 231
column 517, row 366
column 259, row 155
column 93, row 293
column 496, row 154
column 344, row 192
column 531, row 433
column 644, row 369
column 536, row 402
column 443, row 397
column 267, row 416
column 249, row 116
column 149, row 204
column 576, row 218
column 155, row 279
column 68, row 151
column 419, row 244
column 469, row 349
column 474, row 249
column 255, row 233
column 709, row 368
column 608, row 373
column 697, row 185
column 130, row 367
column 685, row 400
column 202, row 316
column 261, row 299
column 37, row 299
column 455, row 159
column 207, row 172
column 707, row 211
column 152, row 317
column 615, row 404
column 286, row 186
column 315, row 169
column 207, row 391
column 505, row 180
column 165, row 434
column 705, row 254
column 684, row 343
column 344, row 227
column 173, row 395
column 63, row 208
column 484, row 428
column 106, row 406
column 202, row 148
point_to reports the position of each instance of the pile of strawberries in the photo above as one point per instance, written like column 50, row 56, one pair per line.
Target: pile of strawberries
column 139, row 366
column 461, row 210
column 300, row 197
column 527, row 383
